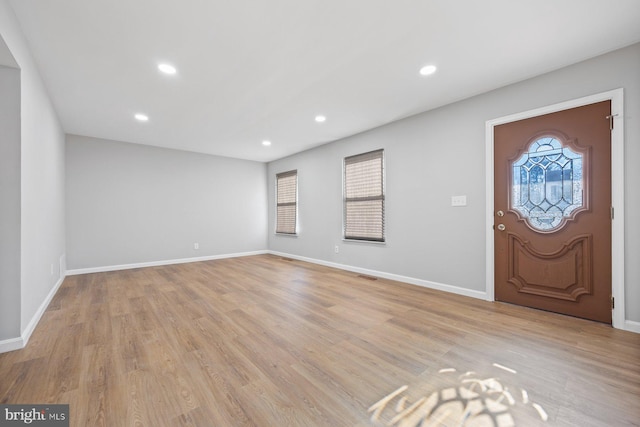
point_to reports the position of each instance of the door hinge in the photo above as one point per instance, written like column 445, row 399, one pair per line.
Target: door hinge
column 613, row 302
column 612, row 212
column 610, row 118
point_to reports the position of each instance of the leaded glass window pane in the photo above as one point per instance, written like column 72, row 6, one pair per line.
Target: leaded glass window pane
column 547, row 184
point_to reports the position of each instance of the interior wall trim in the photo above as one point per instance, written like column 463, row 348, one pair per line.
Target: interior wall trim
column 106, row 268
column 17, row 343
column 632, row 326
column 26, row 334
column 11, row 344
column 398, row 278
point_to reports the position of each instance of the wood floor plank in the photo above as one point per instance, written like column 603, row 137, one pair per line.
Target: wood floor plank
column 215, row 386
column 268, row 341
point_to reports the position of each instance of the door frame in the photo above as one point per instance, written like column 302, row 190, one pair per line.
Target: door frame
column 616, row 97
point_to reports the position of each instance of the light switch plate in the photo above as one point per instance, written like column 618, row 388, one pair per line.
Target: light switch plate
column 458, row 200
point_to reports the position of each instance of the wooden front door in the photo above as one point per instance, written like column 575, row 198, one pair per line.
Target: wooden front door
column 552, row 212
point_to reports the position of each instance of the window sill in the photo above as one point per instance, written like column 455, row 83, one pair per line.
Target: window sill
column 286, row 234
column 366, row 242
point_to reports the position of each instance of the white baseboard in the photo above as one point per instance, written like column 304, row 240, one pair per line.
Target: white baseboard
column 21, row 341
column 158, row 263
column 411, row 280
column 26, row 334
column 629, row 325
column 632, row 326
column 11, row 344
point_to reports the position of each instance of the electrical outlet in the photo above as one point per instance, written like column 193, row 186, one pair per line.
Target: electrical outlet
column 196, row 246
column 337, row 249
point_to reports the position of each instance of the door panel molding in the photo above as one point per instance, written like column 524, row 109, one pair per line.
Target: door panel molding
column 617, row 194
column 530, row 272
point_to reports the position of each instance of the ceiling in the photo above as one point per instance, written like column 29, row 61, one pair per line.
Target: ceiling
column 250, row 70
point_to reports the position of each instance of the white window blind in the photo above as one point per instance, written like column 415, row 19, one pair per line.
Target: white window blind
column 286, row 202
column 364, row 196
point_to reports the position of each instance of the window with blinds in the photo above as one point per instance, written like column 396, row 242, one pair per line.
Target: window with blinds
column 364, row 196
column 286, row 202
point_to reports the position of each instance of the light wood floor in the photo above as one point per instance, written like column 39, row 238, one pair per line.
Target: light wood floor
column 264, row 341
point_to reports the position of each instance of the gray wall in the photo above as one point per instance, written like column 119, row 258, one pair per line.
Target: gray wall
column 435, row 155
column 42, row 228
column 10, row 203
column 129, row 204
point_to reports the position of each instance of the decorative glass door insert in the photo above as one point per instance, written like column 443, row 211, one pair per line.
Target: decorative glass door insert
column 547, row 185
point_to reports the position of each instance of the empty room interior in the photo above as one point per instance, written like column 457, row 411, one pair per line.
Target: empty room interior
column 320, row 213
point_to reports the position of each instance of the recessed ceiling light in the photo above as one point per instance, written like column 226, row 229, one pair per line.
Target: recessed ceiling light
column 167, row 68
column 141, row 117
column 320, row 119
column 266, row 143
column 428, row 70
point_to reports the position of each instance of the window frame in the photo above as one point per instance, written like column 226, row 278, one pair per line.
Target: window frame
column 279, row 176
column 382, row 197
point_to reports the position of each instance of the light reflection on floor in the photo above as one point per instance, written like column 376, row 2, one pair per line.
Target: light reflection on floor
column 470, row 399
